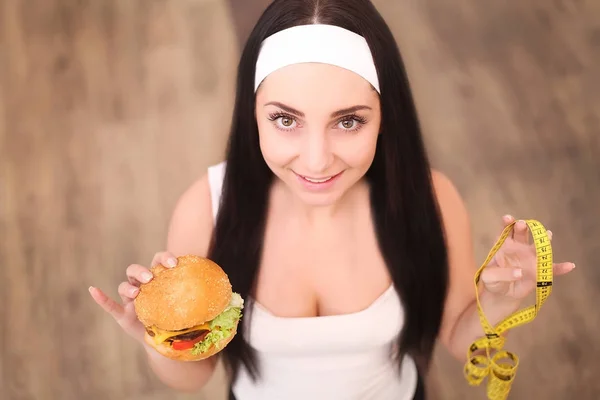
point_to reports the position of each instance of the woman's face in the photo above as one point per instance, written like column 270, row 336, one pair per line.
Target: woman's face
column 318, row 126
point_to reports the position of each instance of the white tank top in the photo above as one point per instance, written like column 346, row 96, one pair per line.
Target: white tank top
column 339, row 357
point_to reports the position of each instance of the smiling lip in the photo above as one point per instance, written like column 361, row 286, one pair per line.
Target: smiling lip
column 314, row 184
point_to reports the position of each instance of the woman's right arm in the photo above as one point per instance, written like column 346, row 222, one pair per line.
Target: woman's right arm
column 190, row 230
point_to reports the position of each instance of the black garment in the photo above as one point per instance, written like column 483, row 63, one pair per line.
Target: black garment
column 419, row 392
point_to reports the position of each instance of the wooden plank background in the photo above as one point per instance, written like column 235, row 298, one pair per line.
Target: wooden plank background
column 109, row 109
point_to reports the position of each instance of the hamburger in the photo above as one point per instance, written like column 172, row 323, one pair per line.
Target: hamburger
column 190, row 311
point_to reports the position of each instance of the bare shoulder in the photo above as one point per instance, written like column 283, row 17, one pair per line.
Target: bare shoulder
column 457, row 226
column 448, row 197
column 191, row 224
column 455, row 216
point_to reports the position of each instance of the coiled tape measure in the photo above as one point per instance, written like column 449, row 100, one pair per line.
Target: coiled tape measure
column 498, row 365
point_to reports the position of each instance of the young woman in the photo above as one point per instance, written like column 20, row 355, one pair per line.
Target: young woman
column 353, row 256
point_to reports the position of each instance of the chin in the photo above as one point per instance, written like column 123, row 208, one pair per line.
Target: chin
column 320, row 199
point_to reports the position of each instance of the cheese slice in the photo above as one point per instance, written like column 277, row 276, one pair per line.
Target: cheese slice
column 161, row 336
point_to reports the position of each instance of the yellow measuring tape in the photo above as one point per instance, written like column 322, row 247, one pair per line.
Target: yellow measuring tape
column 500, row 366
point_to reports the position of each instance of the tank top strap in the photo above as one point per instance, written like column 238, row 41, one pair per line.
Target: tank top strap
column 216, row 174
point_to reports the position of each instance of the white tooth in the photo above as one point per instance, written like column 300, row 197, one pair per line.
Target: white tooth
column 317, row 181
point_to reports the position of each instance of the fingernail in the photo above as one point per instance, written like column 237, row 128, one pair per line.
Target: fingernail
column 518, row 273
column 134, row 291
column 507, row 217
column 172, row 262
column 573, row 264
column 90, row 289
column 146, row 276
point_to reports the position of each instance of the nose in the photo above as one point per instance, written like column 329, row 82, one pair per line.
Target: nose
column 317, row 153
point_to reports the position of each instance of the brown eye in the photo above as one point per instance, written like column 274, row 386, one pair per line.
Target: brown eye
column 284, row 121
column 348, row 124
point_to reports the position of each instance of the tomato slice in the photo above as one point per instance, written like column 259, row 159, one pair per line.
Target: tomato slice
column 186, row 344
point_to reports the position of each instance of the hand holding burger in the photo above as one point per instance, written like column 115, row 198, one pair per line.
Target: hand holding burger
column 186, row 311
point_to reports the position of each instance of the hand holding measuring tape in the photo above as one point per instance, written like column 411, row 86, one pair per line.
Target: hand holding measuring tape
column 514, row 268
column 512, row 271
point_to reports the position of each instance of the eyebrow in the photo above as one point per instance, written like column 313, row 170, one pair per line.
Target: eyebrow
column 334, row 114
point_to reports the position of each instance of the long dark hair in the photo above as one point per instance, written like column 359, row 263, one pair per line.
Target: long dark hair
column 406, row 215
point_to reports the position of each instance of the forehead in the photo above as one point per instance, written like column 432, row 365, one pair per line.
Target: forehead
column 316, row 84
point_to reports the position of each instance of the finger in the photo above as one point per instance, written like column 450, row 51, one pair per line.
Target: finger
column 108, row 304
column 507, row 220
column 137, row 274
column 562, row 268
column 521, row 232
column 165, row 259
column 493, row 275
column 128, row 292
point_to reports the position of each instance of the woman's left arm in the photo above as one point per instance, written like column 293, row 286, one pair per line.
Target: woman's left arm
column 509, row 278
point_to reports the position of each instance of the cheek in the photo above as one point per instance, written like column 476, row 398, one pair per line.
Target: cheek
column 361, row 151
column 277, row 150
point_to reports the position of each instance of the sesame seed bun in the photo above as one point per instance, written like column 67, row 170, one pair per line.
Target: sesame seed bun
column 189, row 294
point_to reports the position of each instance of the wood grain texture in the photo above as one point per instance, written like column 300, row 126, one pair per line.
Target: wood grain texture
column 109, row 109
column 245, row 14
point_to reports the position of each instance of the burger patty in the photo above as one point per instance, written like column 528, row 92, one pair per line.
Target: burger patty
column 189, row 336
column 185, row 336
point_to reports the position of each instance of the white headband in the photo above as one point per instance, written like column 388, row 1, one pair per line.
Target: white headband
column 326, row 44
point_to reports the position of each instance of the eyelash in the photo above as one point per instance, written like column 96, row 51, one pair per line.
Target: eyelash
column 354, row 117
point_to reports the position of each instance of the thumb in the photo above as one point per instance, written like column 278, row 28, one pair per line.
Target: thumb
column 493, row 275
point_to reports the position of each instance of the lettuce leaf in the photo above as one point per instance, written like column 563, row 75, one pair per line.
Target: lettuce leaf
column 222, row 326
column 227, row 319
